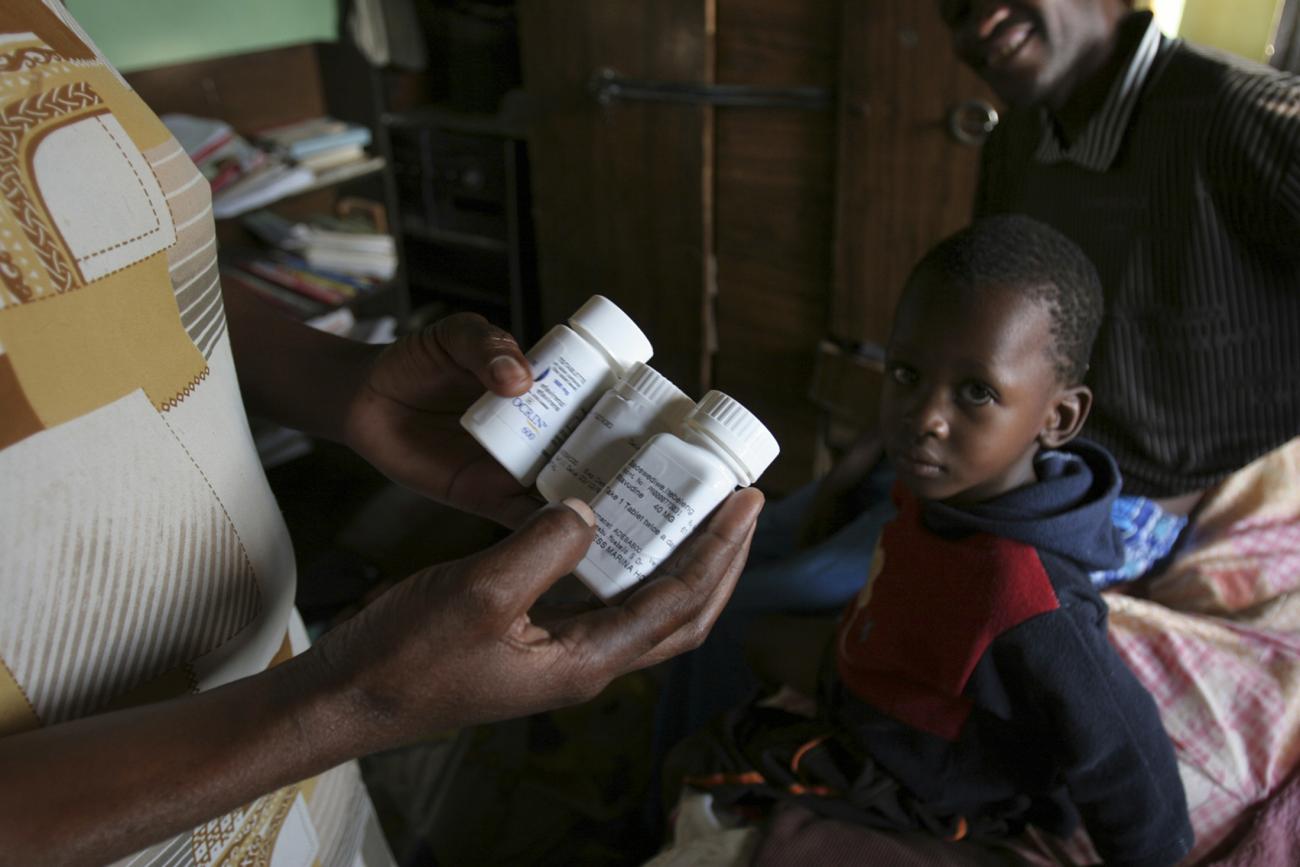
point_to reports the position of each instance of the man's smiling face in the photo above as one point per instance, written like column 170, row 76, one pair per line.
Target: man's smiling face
column 1030, row 52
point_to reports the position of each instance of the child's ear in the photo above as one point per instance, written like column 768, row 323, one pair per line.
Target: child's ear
column 1067, row 415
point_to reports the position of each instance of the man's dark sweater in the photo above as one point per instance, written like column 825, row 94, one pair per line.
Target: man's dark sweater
column 974, row 667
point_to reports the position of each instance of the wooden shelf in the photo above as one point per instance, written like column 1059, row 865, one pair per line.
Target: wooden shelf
column 460, row 291
column 423, row 232
column 325, row 180
column 443, row 117
column 348, row 172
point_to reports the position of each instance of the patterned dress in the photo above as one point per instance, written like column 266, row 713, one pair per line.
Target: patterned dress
column 142, row 555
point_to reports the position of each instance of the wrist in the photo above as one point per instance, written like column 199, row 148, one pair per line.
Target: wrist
column 291, row 373
column 337, row 706
column 349, row 373
column 323, row 710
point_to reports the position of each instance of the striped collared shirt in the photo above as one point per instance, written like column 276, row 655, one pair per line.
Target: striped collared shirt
column 1096, row 148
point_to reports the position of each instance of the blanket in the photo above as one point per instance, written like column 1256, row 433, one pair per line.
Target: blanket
column 1217, row 642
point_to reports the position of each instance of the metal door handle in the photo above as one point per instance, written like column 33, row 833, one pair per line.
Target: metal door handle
column 972, row 121
column 607, row 86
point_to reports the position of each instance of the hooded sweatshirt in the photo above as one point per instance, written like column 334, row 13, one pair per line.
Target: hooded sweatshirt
column 974, row 666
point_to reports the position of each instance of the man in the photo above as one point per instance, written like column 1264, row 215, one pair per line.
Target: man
column 1177, row 170
column 156, row 687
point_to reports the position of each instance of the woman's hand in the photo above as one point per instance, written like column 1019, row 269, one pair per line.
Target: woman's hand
column 465, row 642
column 405, row 417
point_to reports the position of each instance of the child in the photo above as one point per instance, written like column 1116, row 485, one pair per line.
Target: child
column 971, row 689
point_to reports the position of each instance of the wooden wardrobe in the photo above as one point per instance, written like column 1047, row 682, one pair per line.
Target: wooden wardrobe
column 751, row 180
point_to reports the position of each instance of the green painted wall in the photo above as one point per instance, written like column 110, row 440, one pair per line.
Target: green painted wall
column 1243, row 27
column 139, row 34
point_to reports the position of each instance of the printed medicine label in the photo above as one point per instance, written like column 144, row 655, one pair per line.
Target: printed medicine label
column 558, row 386
column 652, row 504
column 622, row 439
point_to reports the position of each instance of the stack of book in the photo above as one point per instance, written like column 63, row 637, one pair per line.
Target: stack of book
column 284, row 161
column 241, row 175
column 267, row 183
column 222, row 155
column 313, row 267
column 292, row 284
column 330, row 244
column 331, row 149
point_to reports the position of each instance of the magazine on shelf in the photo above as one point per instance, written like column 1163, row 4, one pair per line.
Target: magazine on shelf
column 221, row 155
column 381, row 266
column 331, row 159
column 346, row 247
column 293, row 159
column 317, row 231
column 346, row 171
column 262, row 186
column 315, row 136
column 200, row 137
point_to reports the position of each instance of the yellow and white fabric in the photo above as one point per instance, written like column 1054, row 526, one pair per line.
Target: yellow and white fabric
column 142, row 554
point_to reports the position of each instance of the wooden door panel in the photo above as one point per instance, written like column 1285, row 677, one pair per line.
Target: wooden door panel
column 904, row 181
column 774, row 212
column 742, row 237
column 622, row 192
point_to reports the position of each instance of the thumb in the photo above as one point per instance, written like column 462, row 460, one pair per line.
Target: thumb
column 486, row 351
column 513, row 573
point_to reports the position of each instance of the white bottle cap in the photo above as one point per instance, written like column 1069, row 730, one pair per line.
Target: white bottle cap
column 666, row 400
column 612, row 331
column 738, row 431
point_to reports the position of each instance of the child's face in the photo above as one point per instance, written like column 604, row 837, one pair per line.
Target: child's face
column 970, row 390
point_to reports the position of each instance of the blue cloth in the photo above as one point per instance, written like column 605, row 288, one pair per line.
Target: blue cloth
column 778, row 577
column 1150, row 535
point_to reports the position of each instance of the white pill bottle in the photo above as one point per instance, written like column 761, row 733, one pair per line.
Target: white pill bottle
column 573, row 365
column 672, row 484
column 641, row 405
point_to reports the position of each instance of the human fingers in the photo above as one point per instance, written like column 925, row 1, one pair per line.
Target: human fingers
column 488, row 352
column 675, row 608
column 512, row 511
column 697, row 562
column 453, row 644
column 507, row 578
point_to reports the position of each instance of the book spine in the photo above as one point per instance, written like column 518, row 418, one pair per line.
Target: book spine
column 227, row 173
column 286, row 299
column 358, row 263
column 211, row 147
column 316, row 290
column 307, row 147
column 358, row 284
column 315, row 275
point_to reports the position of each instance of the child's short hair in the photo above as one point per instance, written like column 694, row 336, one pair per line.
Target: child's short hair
column 1012, row 251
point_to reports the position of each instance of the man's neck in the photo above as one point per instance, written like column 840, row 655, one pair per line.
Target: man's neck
column 1077, row 103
